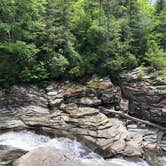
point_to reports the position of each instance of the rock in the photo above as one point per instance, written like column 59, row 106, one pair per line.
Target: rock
column 72, row 110
column 87, row 124
column 118, row 146
column 94, row 129
column 133, row 149
column 132, row 126
column 55, row 102
column 19, row 96
column 100, row 162
column 48, row 156
column 124, row 103
column 150, row 139
column 89, row 101
column 95, row 92
column 147, row 95
column 9, row 154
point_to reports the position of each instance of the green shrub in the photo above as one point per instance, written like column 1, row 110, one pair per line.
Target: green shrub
column 154, row 74
column 58, row 65
column 130, row 62
column 140, row 75
column 21, row 50
column 26, row 75
column 152, row 82
column 159, row 62
column 156, row 56
column 114, row 65
column 76, row 72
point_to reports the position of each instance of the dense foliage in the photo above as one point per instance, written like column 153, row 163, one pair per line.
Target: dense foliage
column 52, row 39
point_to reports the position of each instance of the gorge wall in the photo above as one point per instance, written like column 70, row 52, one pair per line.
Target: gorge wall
column 74, row 110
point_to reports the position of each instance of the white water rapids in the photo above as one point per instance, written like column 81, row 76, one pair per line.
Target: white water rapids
column 27, row 140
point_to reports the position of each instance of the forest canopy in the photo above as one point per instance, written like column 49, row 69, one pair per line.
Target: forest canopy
column 54, row 39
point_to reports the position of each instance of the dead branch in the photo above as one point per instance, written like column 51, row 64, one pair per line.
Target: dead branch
column 133, row 118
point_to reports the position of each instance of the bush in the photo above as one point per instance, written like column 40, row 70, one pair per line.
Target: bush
column 20, row 49
column 8, row 71
column 58, row 65
column 158, row 62
column 130, row 62
column 76, row 72
column 140, row 75
column 114, row 65
column 156, row 56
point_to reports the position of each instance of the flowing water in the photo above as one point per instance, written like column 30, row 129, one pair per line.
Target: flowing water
column 26, row 140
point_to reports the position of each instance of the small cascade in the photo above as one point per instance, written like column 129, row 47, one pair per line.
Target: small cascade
column 27, row 141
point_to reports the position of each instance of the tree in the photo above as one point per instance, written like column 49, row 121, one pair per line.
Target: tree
column 57, row 41
column 160, row 5
column 161, row 17
column 19, row 23
column 50, row 39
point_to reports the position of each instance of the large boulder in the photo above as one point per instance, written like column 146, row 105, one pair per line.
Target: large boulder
column 48, row 156
column 146, row 92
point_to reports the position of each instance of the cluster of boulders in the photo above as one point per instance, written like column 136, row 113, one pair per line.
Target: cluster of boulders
column 73, row 110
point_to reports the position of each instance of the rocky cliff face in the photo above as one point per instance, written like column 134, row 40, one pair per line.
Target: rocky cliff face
column 73, row 110
column 70, row 110
column 146, row 91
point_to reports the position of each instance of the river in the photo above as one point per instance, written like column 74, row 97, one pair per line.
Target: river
column 27, row 140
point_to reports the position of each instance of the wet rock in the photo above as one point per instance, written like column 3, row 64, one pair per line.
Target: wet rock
column 48, row 156
column 150, row 139
column 9, row 154
column 133, row 149
column 132, row 126
column 154, row 160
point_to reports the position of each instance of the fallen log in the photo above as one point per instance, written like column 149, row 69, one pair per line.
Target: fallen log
column 124, row 115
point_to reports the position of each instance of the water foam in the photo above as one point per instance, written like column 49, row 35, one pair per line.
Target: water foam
column 27, row 141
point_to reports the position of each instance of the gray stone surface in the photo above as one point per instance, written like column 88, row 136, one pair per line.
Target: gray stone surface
column 47, row 156
column 147, row 95
column 71, row 110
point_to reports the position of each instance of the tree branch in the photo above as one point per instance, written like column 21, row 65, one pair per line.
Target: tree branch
column 132, row 118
